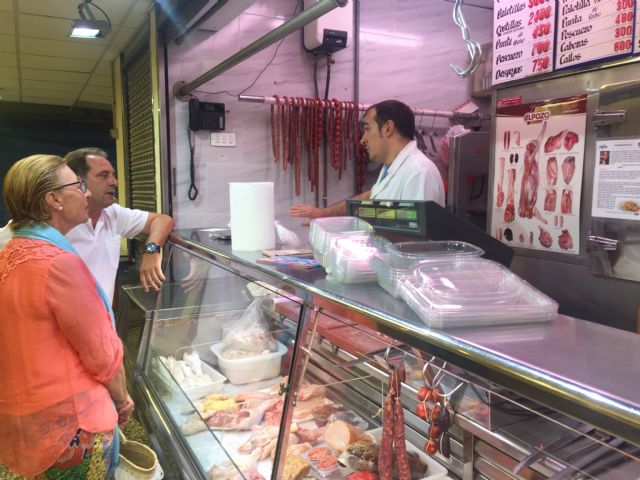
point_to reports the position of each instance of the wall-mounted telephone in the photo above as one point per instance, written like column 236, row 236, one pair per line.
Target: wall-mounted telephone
column 205, row 115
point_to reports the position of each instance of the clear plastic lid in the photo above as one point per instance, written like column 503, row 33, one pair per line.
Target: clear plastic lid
column 445, row 248
column 472, row 292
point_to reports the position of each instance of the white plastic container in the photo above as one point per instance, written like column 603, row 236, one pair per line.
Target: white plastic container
column 350, row 257
column 323, row 230
column 250, row 369
column 214, row 387
column 472, row 292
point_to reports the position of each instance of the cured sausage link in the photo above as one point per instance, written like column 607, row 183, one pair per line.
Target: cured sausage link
column 402, row 459
column 385, row 458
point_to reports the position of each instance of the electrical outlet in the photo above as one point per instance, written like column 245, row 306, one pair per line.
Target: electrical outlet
column 223, row 139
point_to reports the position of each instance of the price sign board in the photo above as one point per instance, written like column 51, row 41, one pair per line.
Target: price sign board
column 593, row 30
column 523, row 35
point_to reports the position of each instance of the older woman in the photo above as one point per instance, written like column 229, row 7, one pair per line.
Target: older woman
column 62, row 384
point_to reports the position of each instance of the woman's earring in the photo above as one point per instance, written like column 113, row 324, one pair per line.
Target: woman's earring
column 60, row 208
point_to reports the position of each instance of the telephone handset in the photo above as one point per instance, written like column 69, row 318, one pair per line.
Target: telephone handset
column 205, row 115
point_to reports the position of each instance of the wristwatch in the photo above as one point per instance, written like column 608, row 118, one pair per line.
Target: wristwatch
column 151, row 248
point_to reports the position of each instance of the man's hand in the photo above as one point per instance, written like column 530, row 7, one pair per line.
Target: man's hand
column 150, row 271
column 308, row 211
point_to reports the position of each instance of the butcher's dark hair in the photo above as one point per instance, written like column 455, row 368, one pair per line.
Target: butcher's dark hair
column 77, row 159
column 401, row 115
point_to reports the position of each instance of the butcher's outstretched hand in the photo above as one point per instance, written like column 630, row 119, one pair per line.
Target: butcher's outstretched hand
column 151, row 275
column 307, row 211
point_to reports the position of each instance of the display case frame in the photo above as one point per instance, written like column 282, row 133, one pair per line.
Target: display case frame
column 606, row 403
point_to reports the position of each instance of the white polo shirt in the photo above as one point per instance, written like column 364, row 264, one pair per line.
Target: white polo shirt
column 99, row 247
column 411, row 176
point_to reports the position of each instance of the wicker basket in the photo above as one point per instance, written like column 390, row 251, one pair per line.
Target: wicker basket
column 137, row 461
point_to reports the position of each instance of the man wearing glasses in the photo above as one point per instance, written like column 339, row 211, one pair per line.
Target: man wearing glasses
column 98, row 240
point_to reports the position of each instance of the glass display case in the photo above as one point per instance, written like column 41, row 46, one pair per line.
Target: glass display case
column 247, row 371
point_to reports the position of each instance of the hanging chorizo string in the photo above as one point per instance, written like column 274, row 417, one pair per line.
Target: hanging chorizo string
column 298, row 129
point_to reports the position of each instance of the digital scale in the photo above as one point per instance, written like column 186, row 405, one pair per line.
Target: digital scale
column 405, row 221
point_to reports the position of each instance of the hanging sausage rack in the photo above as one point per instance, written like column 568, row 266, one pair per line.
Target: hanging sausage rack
column 362, row 107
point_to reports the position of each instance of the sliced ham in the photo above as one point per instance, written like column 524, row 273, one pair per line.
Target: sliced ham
column 340, row 434
column 554, row 142
column 570, row 139
column 550, row 201
column 552, row 171
column 565, row 241
column 568, row 168
column 566, row 203
column 545, row 238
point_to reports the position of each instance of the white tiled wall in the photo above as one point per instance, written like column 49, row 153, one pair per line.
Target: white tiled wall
column 405, row 51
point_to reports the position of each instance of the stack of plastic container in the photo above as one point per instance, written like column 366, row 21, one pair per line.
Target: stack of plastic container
column 472, row 292
column 350, row 257
column 390, row 267
column 323, row 230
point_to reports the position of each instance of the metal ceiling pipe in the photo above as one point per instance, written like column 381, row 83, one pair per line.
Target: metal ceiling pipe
column 182, row 90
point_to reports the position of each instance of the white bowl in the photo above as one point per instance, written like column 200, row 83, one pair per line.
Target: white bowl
column 203, row 390
column 250, row 369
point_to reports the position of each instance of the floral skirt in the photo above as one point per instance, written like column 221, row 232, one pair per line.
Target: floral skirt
column 88, row 456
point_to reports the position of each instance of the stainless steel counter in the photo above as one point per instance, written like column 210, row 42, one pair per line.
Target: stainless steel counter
column 585, row 370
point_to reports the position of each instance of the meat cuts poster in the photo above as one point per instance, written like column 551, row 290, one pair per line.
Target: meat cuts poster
column 539, row 157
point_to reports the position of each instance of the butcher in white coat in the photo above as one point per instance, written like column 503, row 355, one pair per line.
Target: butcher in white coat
column 406, row 173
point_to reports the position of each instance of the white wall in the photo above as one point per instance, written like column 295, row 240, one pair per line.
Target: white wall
column 405, row 52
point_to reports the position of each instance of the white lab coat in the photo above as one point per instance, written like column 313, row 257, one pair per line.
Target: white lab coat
column 411, row 176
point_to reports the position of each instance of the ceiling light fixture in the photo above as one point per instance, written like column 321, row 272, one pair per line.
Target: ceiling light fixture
column 87, row 26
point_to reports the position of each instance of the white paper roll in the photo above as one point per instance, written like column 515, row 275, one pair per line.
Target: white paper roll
column 252, row 215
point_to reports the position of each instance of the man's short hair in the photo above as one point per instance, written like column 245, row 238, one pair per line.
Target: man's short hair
column 400, row 113
column 77, row 159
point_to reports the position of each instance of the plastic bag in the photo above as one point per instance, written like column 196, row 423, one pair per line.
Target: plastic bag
column 250, row 335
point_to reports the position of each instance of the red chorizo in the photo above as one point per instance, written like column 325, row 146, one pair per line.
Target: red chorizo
column 386, row 443
column 285, row 128
column 402, row 459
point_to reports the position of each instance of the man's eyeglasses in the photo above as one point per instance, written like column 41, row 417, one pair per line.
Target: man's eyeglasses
column 82, row 185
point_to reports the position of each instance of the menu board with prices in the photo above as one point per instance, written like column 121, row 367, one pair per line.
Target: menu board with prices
column 592, row 30
column 523, row 33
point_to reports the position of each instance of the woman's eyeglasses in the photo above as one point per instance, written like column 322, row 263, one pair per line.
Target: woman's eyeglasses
column 82, row 185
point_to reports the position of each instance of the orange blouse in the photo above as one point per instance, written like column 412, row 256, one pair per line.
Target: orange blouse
column 58, row 350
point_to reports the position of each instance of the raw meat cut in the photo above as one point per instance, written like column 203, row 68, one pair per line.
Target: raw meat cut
column 530, row 178
column 500, row 195
column 568, row 167
column 510, row 211
column 566, row 202
column 545, row 238
column 565, row 241
column 516, row 137
column 552, row 171
column 554, row 142
column 550, row 201
column 570, row 139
